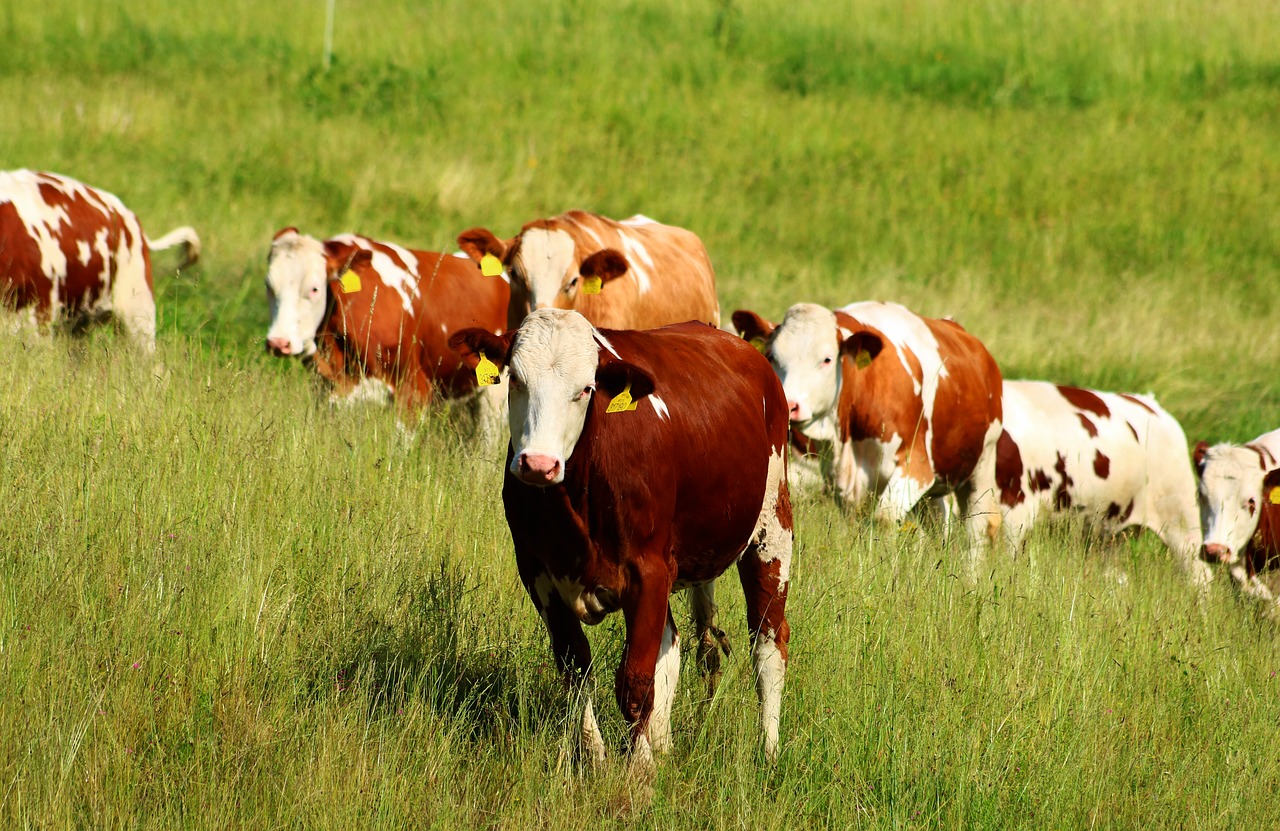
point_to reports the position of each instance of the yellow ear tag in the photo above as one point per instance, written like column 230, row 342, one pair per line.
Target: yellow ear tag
column 350, row 282
column 1274, row 496
column 486, row 372
column 592, row 285
column 758, row 343
column 490, row 266
column 622, row 402
column 863, row 359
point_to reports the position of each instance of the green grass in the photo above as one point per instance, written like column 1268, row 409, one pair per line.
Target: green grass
column 223, row 604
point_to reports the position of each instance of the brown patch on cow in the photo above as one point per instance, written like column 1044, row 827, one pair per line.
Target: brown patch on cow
column 1088, row 425
column 1040, row 481
column 1062, row 497
column 283, row 231
column 1262, row 553
column 1101, row 465
column 1115, row 512
column 1265, row 460
column 1083, row 399
column 1133, row 398
column 1009, row 470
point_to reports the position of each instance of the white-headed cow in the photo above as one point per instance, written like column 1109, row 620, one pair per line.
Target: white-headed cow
column 74, row 254
column 1234, row 493
column 1119, row 459
column 911, row 405
column 628, row 274
column 642, row 463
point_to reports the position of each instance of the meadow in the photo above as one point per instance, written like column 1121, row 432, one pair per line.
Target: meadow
column 224, row 604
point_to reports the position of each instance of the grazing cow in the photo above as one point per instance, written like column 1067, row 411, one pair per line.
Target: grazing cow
column 376, row 318
column 1120, row 459
column 1233, row 495
column 632, row 274
column 642, row 463
column 910, row 405
column 74, row 254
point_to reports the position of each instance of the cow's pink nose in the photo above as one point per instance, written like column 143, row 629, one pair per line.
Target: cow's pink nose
column 279, row 346
column 1213, row 552
column 793, row 410
column 538, row 468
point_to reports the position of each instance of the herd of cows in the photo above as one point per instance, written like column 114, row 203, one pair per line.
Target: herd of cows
column 649, row 449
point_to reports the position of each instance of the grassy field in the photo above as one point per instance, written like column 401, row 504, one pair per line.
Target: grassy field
column 225, row 605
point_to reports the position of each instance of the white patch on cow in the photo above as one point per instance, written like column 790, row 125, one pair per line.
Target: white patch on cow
column 636, row 254
column 659, row 407
column 592, row 738
column 85, row 252
column 1230, row 492
column 771, row 671
column 638, row 219
column 297, row 291
column 553, row 365
column 603, row 341
column 665, row 677
column 546, row 262
column 773, row 542
column 404, row 281
column 907, row 332
column 444, row 329
column 366, row 391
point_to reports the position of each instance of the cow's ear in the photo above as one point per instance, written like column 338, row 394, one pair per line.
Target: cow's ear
column 863, row 347
column 608, row 264
column 1197, row 455
column 752, row 326
column 285, row 232
column 1271, row 487
column 478, row 243
column 343, row 256
column 474, row 345
column 615, row 376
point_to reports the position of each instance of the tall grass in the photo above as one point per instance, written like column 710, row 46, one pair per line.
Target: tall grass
column 223, row 604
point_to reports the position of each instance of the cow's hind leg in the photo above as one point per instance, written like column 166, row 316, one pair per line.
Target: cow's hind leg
column 765, row 571
column 572, row 653
column 711, row 639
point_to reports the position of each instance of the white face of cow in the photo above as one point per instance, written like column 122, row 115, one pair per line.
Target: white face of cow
column 545, row 268
column 1230, row 499
column 805, row 352
column 297, row 291
column 553, row 376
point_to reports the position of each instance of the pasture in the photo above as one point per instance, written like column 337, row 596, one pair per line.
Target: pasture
column 224, row 604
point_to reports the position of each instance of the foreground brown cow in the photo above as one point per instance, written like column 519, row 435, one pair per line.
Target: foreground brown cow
column 632, row 274
column 642, row 463
column 911, row 405
column 71, row 253
column 375, row 317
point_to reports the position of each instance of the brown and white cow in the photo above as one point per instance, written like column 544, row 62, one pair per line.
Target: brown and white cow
column 1119, row 459
column 376, row 318
column 73, row 254
column 615, row 505
column 911, row 405
column 630, row 274
column 1233, row 494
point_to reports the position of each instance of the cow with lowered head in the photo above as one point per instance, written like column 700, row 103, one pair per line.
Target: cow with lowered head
column 910, row 407
column 1237, row 490
column 642, row 463
column 629, row 274
column 375, row 318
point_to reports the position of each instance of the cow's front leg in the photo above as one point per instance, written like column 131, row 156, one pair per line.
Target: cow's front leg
column 646, row 681
column 572, row 652
column 900, row 495
column 711, row 638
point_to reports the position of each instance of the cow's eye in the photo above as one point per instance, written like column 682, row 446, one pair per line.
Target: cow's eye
column 315, row 290
column 572, row 284
column 826, row 360
column 587, row 390
column 516, row 383
column 1253, row 507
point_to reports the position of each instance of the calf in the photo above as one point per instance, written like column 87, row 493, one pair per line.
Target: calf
column 74, row 254
column 1234, row 494
column 375, row 318
column 910, row 405
column 642, row 463
column 1120, row 459
column 632, row 274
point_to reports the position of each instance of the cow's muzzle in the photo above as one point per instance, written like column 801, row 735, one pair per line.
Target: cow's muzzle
column 280, row 347
column 537, row 469
column 1215, row 553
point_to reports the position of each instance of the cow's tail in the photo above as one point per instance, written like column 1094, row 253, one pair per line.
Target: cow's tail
column 184, row 236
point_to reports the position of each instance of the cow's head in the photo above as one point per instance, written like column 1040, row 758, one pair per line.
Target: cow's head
column 1231, row 493
column 299, row 269
column 542, row 264
column 805, row 350
column 557, row 362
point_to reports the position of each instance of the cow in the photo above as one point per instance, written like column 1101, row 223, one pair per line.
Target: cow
column 74, row 255
column 1119, row 459
column 909, row 406
column 374, row 318
column 630, row 274
column 642, row 463
column 1234, row 494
